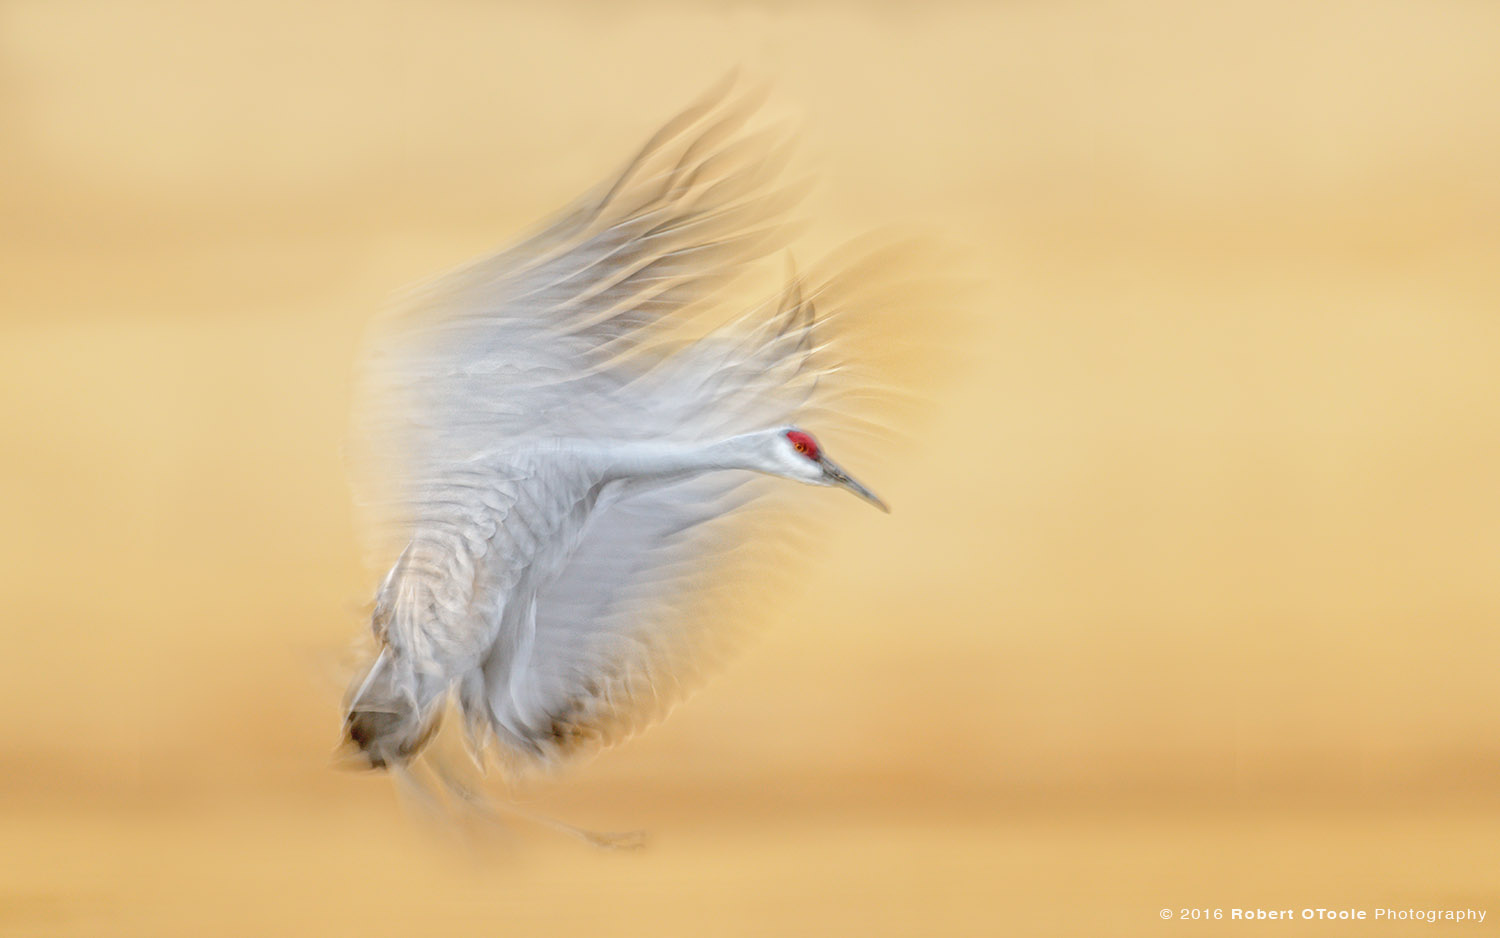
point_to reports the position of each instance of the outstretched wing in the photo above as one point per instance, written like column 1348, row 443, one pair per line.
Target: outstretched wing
column 539, row 339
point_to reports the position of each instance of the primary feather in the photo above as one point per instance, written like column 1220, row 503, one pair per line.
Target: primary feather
column 520, row 419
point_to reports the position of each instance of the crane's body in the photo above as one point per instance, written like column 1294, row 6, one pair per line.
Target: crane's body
column 556, row 475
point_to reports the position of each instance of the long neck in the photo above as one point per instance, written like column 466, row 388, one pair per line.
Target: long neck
column 668, row 459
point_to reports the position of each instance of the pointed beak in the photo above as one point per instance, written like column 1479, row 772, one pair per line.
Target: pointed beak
column 837, row 476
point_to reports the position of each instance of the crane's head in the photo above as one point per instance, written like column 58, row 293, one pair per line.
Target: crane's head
column 799, row 457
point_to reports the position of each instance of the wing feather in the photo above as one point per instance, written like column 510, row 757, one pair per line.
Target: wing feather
column 537, row 340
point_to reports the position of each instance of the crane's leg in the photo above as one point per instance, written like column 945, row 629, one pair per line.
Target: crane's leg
column 491, row 810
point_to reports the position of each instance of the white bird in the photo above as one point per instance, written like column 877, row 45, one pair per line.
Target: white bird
column 559, row 466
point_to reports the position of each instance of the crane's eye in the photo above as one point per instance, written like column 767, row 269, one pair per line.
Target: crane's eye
column 803, row 443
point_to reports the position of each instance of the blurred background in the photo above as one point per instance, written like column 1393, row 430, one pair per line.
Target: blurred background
column 1190, row 594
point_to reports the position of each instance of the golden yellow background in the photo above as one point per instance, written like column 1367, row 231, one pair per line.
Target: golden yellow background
column 1190, row 597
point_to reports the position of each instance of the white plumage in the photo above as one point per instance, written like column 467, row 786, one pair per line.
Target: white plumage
column 562, row 468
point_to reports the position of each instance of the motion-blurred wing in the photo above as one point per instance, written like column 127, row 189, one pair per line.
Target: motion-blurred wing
column 618, row 634
column 538, row 340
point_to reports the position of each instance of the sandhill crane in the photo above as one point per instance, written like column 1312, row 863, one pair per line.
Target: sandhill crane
column 555, row 458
